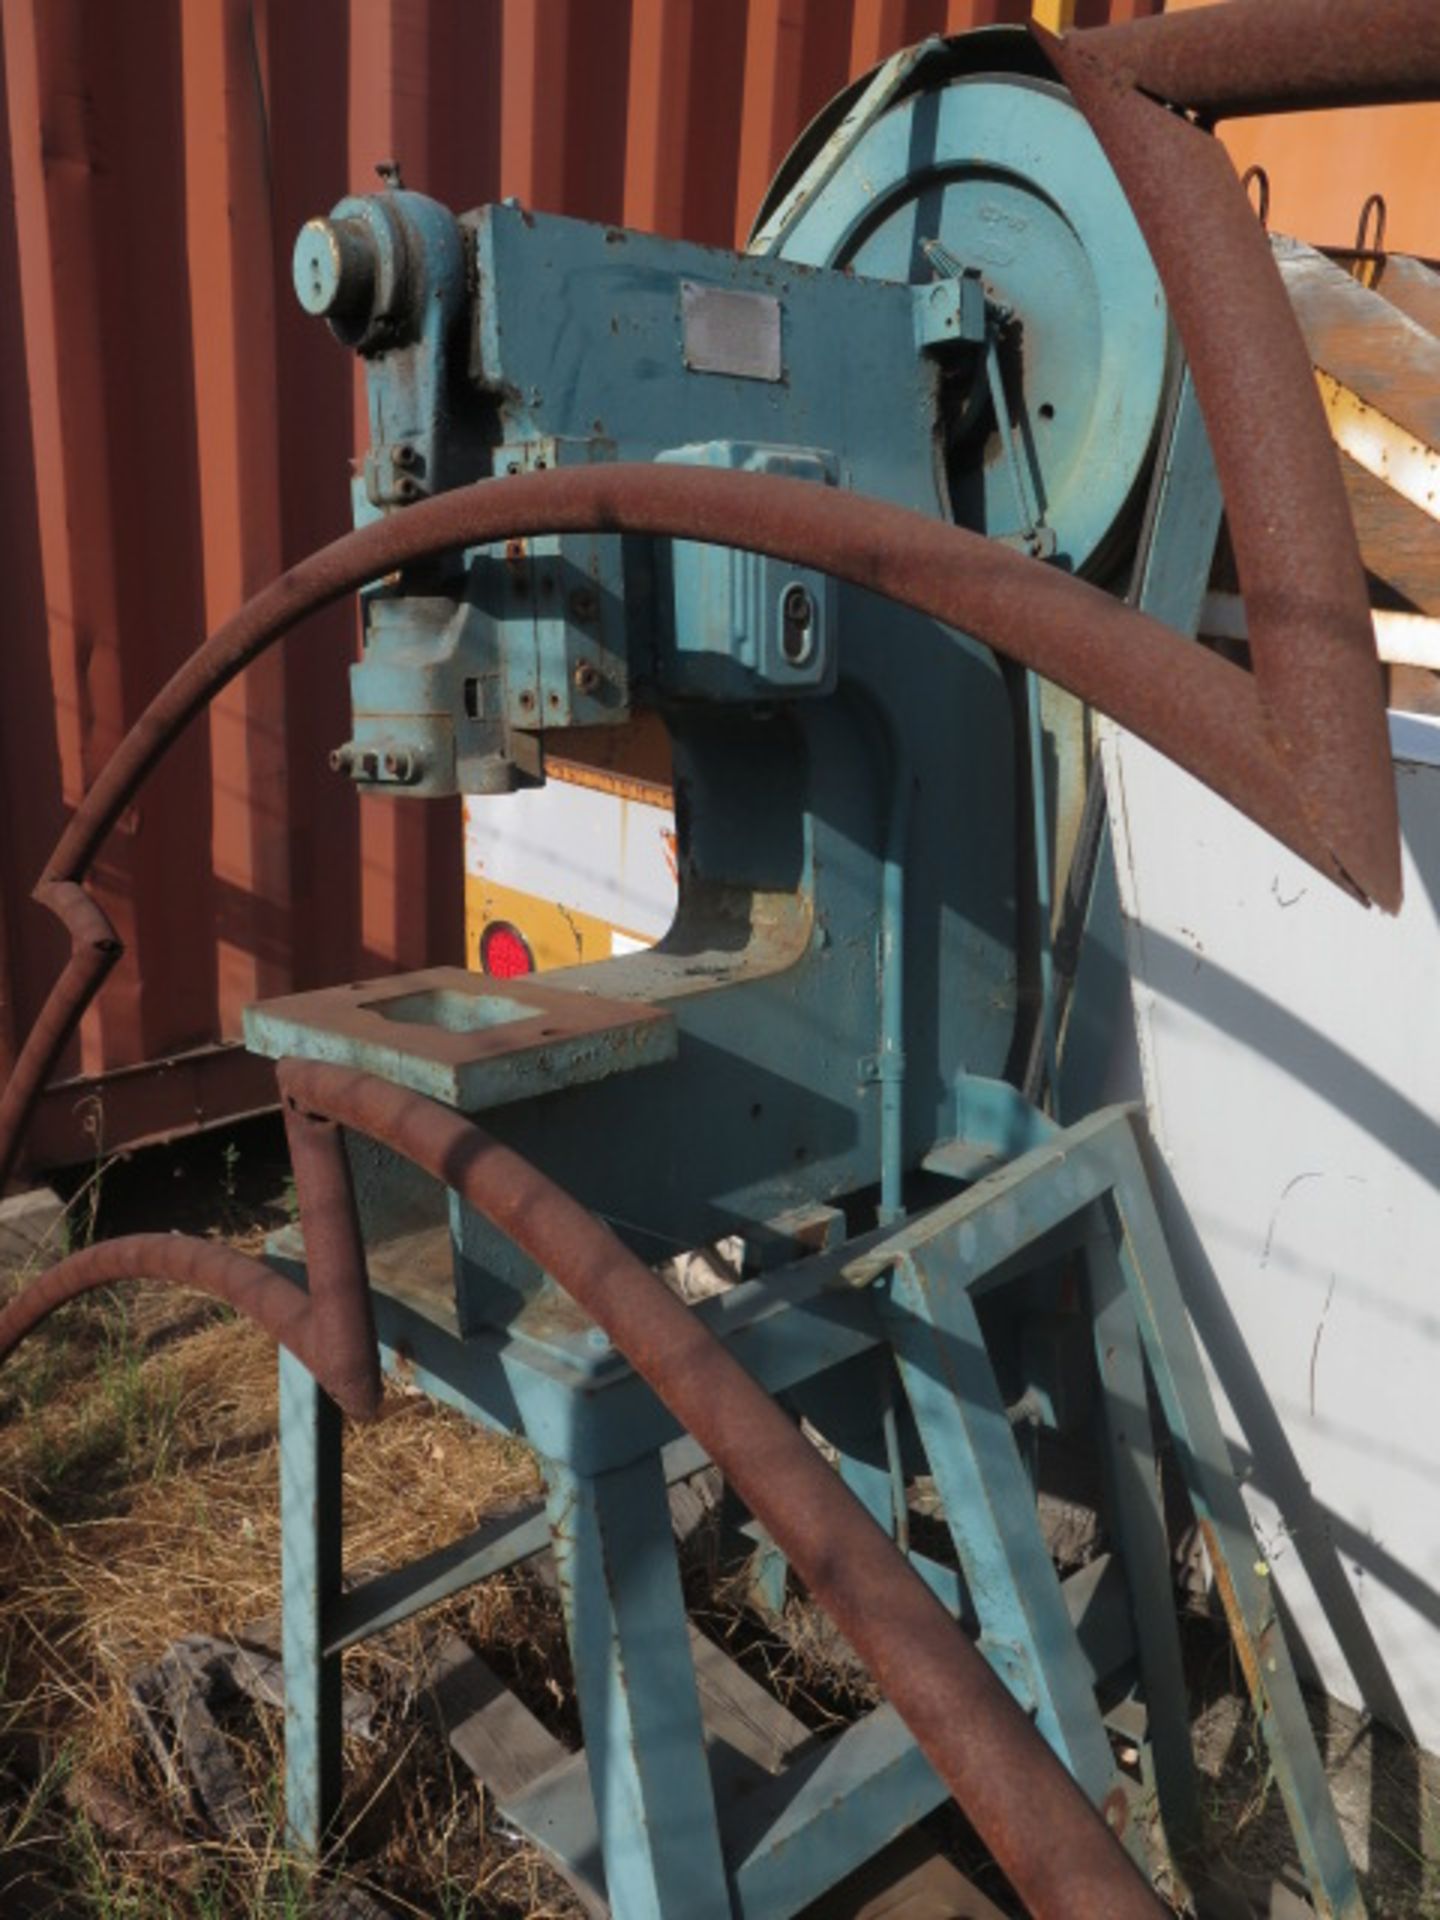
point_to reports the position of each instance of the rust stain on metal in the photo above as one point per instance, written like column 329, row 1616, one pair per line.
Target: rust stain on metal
column 426, row 1018
column 622, row 786
column 1362, row 340
column 1245, row 1647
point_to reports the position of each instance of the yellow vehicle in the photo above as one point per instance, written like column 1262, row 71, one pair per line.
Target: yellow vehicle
column 578, row 869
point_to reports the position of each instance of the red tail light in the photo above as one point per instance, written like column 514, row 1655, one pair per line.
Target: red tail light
column 505, row 952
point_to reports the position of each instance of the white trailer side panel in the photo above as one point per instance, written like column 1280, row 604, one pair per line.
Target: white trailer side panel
column 1290, row 1048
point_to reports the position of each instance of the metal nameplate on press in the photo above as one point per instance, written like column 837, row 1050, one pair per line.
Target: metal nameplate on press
column 725, row 332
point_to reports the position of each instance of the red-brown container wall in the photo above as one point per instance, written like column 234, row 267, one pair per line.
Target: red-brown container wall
column 173, row 432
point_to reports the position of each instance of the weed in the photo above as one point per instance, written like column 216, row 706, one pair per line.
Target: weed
column 119, row 1430
column 82, row 1211
column 45, row 1794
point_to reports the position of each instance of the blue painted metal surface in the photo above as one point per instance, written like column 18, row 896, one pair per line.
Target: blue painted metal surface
column 982, row 1483
column 1132, row 1474
column 839, row 989
column 842, row 1805
column 310, row 1527
column 620, row 1585
column 744, row 627
column 785, row 803
column 1172, row 570
column 1004, row 175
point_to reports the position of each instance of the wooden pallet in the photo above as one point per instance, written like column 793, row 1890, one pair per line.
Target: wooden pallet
column 749, row 1733
column 518, row 1762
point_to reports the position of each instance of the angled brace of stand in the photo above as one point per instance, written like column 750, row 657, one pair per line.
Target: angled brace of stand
column 1092, row 1176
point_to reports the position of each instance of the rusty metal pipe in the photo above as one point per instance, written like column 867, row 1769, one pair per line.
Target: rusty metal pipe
column 1186, row 702
column 1050, row 1842
column 301, row 1324
column 1278, row 56
column 341, row 1347
column 1312, row 636
column 94, row 949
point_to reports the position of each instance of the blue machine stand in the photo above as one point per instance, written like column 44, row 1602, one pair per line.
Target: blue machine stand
column 650, row 1817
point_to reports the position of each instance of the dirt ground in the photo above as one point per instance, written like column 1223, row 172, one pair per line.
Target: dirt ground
column 139, row 1504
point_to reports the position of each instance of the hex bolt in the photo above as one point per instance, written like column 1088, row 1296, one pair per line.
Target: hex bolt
column 586, row 677
column 527, row 700
column 584, row 604
column 404, row 455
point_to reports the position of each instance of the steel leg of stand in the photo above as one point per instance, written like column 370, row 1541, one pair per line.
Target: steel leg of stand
column 1137, row 1516
column 310, row 1527
column 635, row 1681
column 1241, row 1576
column 989, row 1506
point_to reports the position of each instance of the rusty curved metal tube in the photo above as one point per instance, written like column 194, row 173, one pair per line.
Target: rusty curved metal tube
column 1184, row 700
column 1279, row 56
column 1189, row 704
column 94, row 949
column 284, row 1310
column 1312, row 635
column 341, row 1349
column 1006, row 1780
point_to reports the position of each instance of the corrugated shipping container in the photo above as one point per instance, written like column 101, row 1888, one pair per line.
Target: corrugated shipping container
column 173, row 431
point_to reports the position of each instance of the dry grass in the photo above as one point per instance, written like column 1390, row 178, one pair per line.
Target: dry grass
column 139, row 1503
